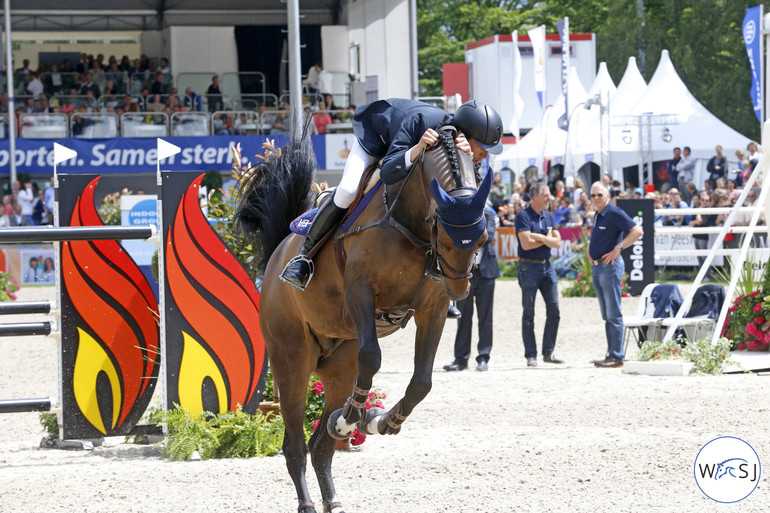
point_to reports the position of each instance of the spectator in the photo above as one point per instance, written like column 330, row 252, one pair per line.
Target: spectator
column 193, row 100
column 717, row 167
column 25, row 199
column 214, row 95
column 128, row 105
column 164, row 67
column 48, row 199
column 39, row 212
column 334, row 111
column 158, row 87
column 125, row 64
column 497, row 194
column 266, row 120
column 563, row 213
column 88, row 87
column 673, row 167
column 685, row 172
column 222, row 123
column 34, row 86
column 17, row 218
column 321, row 118
column 24, row 70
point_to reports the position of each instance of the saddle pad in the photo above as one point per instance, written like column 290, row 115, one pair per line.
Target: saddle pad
column 301, row 225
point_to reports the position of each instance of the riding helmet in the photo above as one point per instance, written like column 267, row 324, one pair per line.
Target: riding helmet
column 482, row 123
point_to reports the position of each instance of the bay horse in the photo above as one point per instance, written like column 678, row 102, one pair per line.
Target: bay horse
column 404, row 257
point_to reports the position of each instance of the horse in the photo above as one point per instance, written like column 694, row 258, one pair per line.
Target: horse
column 404, row 257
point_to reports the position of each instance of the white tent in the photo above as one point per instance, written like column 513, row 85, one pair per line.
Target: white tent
column 640, row 116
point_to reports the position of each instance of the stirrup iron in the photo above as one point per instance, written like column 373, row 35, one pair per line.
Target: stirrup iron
column 311, row 266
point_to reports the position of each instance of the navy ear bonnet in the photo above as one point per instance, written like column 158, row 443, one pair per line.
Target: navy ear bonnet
column 463, row 217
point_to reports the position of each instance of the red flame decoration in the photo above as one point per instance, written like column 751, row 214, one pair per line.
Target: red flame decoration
column 193, row 247
column 114, row 274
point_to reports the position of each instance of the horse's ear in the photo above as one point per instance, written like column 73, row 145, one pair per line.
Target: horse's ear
column 443, row 200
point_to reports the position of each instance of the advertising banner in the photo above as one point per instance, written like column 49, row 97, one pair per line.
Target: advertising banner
column 752, row 39
column 639, row 258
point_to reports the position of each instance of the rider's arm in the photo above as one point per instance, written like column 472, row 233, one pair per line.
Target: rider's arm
column 394, row 165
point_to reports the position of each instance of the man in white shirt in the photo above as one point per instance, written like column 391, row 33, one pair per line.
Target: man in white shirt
column 25, row 199
column 35, row 86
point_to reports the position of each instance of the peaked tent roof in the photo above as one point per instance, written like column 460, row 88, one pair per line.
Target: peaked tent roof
column 696, row 127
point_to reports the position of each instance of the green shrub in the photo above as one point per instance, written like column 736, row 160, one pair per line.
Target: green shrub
column 707, row 358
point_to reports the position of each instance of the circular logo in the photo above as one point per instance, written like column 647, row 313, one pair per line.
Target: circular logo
column 727, row 469
column 749, row 31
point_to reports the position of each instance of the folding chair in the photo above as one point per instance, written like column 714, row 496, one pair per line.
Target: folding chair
column 703, row 314
column 638, row 324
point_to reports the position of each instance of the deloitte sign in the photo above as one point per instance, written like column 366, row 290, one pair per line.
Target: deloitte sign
column 640, row 257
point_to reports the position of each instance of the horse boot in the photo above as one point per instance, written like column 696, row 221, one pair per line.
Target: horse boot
column 300, row 269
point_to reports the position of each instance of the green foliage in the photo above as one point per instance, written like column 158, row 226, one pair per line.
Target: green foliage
column 153, row 415
column 50, row 424
column 269, row 392
column 8, row 287
column 508, row 268
column 584, row 285
column 707, row 358
column 314, row 406
column 109, row 208
column 228, row 435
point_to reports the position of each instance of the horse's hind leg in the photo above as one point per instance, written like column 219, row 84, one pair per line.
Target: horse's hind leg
column 291, row 376
column 337, row 373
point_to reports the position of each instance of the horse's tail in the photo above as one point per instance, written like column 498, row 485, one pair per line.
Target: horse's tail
column 273, row 193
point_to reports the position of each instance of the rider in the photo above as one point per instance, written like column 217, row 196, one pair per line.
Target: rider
column 397, row 131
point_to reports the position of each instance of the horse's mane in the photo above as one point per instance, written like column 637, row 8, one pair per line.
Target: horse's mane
column 447, row 140
column 275, row 192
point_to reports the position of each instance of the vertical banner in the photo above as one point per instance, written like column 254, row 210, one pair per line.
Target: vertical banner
column 537, row 37
column 563, row 27
column 752, row 38
column 110, row 355
column 216, row 358
column 518, row 102
column 640, row 257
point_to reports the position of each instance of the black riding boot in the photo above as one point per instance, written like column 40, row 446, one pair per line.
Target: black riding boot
column 299, row 271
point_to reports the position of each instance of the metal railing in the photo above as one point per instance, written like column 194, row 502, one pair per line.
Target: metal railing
column 43, row 126
column 94, row 126
column 190, row 124
column 144, row 124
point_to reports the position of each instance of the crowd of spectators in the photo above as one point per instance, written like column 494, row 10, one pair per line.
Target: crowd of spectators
column 27, row 205
column 572, row 207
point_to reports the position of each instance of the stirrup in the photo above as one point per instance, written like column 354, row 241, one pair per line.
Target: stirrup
column 299, row 286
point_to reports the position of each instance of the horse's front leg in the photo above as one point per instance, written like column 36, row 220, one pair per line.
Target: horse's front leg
column 429, row 328
column 359, row 303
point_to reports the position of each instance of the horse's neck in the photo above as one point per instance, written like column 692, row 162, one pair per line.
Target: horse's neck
column 412, row 207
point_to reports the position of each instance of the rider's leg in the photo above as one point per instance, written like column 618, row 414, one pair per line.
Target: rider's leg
column 298, row 271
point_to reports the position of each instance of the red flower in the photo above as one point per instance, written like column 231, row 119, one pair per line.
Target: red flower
column 753, row 344
column 757, row 307
column 357, row 438
column 317, row 387
column 742, row 346
column 754, row 294
column 732, row 309
column 759, row 320
column 315, row 424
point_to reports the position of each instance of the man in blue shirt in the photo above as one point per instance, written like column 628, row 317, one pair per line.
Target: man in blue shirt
column 607, row 241
column 537, row 233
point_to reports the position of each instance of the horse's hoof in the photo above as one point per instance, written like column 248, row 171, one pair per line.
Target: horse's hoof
column 337, row 427
column 368, row 425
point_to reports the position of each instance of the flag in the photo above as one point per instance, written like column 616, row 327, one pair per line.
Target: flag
column 166, row 149
column 563, row 27
column 537, row 37
column 752, row 38
column 518, row 102
column 62, row 153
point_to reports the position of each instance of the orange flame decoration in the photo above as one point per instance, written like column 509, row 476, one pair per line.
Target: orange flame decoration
column 121, row 338
column 227, row 344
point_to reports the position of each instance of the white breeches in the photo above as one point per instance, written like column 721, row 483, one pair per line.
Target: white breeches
column 356, row 164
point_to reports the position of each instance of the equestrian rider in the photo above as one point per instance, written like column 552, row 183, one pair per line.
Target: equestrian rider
column 395, row 131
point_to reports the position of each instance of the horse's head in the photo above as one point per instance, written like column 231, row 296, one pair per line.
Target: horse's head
column 459, row 223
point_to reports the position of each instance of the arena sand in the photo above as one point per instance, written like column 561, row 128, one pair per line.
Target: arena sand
column 553, row 438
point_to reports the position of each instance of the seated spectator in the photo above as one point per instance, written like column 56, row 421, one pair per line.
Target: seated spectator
column 30, row 107
column 156, row 104
column 221, row 123
column 158, row 86
column 34, row 86
column 281, row 124
column 334, row 111
column 128, row 105
column 321, row 118
column 88, row 87
column 192, row 100
column 563, row 213
column 676, row 202
column 266, row 119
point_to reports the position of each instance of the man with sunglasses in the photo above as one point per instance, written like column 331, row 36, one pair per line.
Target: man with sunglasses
column 607, row 242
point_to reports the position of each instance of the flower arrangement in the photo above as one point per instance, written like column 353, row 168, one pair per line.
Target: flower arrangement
column 109, row 208
column 315, row 407
column 8, row 287
column 748, row 321
column 707, row 358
